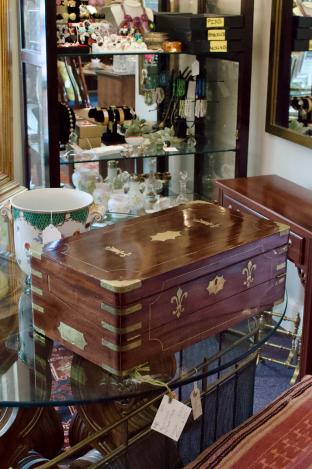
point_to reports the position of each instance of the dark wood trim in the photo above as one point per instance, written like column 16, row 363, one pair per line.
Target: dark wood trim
column 285, row 46
column 52, row 94
column 244, row 90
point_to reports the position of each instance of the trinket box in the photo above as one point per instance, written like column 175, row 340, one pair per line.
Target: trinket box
column 156, row 284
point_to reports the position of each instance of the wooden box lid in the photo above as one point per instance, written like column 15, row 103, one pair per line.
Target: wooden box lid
column 132, row 259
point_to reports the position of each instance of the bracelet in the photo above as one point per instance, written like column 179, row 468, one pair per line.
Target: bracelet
column 106, row 116
column 121, row 115
column 309, row 100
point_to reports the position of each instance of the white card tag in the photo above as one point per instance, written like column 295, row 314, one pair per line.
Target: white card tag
column 51, row 233
column 171, row 418
column 170, row 149
column 195, row 68
column 196, row 402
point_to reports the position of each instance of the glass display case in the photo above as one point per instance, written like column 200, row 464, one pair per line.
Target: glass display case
column 214, row 145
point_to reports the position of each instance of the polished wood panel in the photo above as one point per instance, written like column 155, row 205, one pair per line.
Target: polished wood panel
column 281, row 200
column 116, row 90
column 158, row 283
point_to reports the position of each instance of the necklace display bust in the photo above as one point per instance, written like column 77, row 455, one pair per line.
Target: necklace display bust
column 117, row 14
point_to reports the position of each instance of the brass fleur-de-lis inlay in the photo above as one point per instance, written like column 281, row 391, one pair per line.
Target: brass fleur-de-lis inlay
column 248, row 271
column 178, row 299
column 216, row 285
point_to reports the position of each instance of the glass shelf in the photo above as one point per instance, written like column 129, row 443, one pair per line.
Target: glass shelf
column 80, row 53
column 182, row 150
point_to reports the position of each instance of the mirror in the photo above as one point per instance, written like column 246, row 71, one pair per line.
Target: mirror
column 289, row 105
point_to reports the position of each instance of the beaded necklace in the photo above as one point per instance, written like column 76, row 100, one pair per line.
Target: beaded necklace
column 139, row 23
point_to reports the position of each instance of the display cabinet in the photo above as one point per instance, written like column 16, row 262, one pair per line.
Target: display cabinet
column 221, row 136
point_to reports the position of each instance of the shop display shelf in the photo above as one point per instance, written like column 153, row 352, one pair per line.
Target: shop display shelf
column 182, row 150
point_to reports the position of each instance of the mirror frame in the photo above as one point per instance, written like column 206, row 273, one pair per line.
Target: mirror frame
column 280, row 49
column 8, row 186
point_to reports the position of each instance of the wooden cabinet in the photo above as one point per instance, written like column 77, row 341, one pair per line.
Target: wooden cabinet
column 278, row 199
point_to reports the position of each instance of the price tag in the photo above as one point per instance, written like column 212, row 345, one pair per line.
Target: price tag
column 216, row 34
column 51, row 233
column 195, row 68
column 171, row 418
column 218, row 46
column 196, row 402
column 215, row 22
column 170, row 149
column 310, row 44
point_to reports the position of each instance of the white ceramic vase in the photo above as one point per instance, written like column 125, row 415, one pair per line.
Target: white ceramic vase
column 33, row 211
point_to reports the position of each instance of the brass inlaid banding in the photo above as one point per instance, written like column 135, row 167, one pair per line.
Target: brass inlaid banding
column 121, row 330
column 39, row 331
column 121, row 311
column 283, row 229
column 121, row 348
column 36, row 273
column 36, row 290
column 133, row 337
column 37, row 308
column 121, row 286
column 280, row 280
column 35, row 254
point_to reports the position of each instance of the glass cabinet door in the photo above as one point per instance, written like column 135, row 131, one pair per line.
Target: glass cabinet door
column 36, row 78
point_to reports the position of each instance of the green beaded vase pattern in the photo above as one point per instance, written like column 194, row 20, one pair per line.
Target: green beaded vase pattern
column 42, row 220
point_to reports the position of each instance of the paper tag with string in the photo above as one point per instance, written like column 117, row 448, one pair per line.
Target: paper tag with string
column 51, row 233
column 171, row 418
column 195, row 68
column 196, row 402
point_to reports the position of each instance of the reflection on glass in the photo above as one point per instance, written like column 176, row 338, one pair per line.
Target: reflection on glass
column 35, row 134
column 300, row 110
column 31, row 19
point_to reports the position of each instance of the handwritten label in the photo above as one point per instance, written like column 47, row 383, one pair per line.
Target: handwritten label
column 310, row 44
column 216, row 34
column 196, row 402
column 215, row 22
column 171, row 418
column 218, row 46
column 51, row 233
